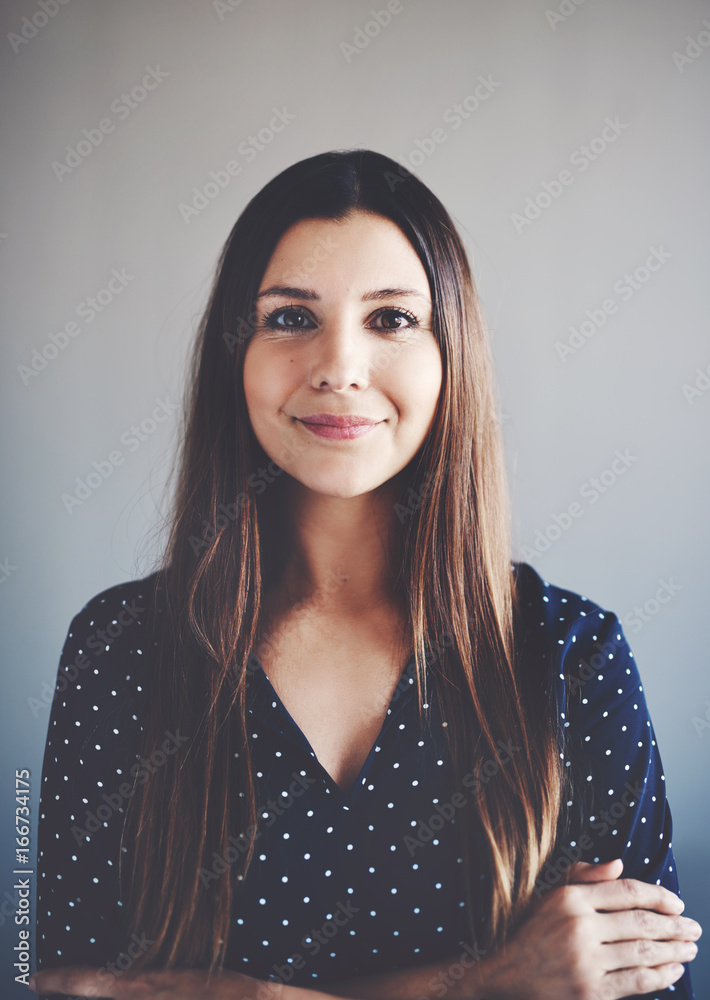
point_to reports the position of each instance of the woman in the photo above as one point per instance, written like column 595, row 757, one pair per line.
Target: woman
column 358, row 752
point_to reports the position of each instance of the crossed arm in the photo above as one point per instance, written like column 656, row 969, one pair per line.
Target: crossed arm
column 597, row 938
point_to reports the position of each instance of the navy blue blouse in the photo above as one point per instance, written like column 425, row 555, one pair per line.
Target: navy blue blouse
column 343, row 883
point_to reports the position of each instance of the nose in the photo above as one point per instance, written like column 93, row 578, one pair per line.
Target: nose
column 341, row 356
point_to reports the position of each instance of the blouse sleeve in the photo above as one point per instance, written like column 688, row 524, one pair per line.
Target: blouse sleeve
column 611, row 746
column 86, row 776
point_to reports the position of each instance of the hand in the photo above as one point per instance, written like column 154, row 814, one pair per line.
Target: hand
column 583, row 871
column 176, row 984
column 597, row 938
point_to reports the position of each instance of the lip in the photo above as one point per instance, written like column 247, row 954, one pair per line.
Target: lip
column 338, row 426
column 337, row 420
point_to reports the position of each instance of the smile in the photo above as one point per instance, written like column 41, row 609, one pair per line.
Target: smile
column 334, row 432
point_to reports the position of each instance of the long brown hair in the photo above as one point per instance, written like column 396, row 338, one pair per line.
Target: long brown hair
column 221, row 558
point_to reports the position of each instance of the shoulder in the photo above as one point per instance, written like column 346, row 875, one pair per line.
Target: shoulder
column 586, row 656
column 617, row 805
column 115, row 619
column 542, row 601
column 106, row 654
column 550, row 616
column 126, row 599
column 582, row 642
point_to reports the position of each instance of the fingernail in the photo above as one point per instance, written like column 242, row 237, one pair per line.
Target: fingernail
column 33, row 984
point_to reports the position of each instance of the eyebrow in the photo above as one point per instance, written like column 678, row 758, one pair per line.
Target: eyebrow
column 311, row 296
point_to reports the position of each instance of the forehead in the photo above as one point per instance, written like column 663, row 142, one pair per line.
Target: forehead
column 362, row 248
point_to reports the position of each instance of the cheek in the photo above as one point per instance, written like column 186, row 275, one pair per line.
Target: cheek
column 250, row 376
column 419, row 382
column 264, row 382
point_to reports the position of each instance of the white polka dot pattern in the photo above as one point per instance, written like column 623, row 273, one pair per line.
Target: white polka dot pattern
column 342, row 883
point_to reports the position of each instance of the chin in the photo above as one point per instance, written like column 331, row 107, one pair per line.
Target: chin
column 342, row 486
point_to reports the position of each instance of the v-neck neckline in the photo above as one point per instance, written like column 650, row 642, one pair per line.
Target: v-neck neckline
column 287, row 726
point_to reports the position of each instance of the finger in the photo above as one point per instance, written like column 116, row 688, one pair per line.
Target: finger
column 629, row 982
column 645, row 953
column 583, row 871
column 627, row 925
column 78, row 980
column 627, row 893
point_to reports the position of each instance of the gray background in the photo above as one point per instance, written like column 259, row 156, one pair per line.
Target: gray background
column 555, row 80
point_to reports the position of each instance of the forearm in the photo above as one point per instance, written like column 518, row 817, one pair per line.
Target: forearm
column 458, row 978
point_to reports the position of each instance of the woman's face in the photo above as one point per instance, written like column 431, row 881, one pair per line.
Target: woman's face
column 343, row 330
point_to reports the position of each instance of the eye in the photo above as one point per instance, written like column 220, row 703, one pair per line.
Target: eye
column 392, row 319
column 294, row 318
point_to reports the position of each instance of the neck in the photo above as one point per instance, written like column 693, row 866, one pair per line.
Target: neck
column 346, row 552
